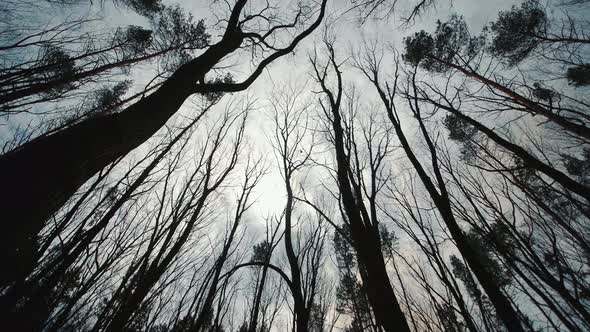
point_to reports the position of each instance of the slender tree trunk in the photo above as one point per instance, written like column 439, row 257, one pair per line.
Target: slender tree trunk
column 207, row 308
column 37, row 88
column 258, row 298
column 376, row 283
column 526, row 157
column 300, row 310
column 133, row 298
column 577, row 129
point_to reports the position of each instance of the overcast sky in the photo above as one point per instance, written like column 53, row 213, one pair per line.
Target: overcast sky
column 293, row 69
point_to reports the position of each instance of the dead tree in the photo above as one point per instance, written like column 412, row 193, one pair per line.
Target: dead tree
column 364, row 227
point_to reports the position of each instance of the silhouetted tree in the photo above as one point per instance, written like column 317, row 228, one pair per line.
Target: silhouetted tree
column 363, row 223
column 73, row 155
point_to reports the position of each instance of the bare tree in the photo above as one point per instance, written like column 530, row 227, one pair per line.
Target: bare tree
column 363, row 223
column 436, row 188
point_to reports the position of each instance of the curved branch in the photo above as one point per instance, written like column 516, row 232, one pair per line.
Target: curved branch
column 234, row 87
column 268, row 265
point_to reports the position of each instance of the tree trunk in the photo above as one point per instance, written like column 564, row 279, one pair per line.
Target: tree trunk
column 577, row 129
column 526, row 157
column 376, row 283
column 37, row 88
column 300, row 310
column 258, row 297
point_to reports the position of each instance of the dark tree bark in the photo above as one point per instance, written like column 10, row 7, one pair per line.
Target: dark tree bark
column 258, row 291
column 38, row 287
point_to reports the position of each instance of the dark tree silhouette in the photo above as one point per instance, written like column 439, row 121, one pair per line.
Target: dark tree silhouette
column 60, row 163
column 436, row 187
column 363, row 224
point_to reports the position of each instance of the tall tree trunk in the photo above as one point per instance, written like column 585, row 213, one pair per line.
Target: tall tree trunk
column 252, row 326
column 300, row 310
column 367, row 244
column 40, row 176
column 529, row 160
column 132, row 299
column 207, row 308
column 364, row 232
column 578, row 129
column 376, row 283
